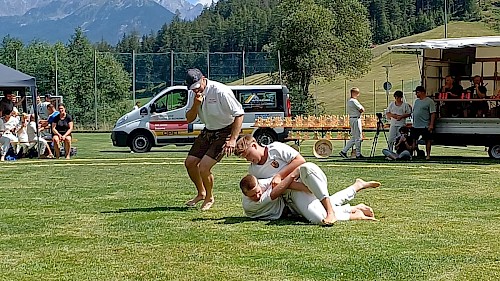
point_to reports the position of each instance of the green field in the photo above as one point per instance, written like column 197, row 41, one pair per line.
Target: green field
column 108, row 214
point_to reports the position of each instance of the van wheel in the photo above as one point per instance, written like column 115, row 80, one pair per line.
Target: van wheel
column 265, row 137
column 494, row 151
column 140, row 143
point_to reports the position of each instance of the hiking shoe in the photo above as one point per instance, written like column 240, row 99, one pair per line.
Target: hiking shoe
column 360, row 156
column 343, row 154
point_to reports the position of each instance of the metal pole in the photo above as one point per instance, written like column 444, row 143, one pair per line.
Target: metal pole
column 95, row 87
column 374, row 98
column 133, row 76
column 171, row 67
column 279, row 67
column 208, row 64
column 57, row 89
column 17, row 62
column 345, row 97
column 243, row 64
column 445, row 19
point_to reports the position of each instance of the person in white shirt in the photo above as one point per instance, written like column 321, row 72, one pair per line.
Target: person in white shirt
column 276, row 161
column 217, row 107
column 354, row 109
column 43, row 112
column 8, row 127
column 39, row 141
column 296, row 191
column 137, row 105
column 397, row 112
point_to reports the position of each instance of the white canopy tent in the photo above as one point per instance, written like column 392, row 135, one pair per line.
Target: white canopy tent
column 451, row 43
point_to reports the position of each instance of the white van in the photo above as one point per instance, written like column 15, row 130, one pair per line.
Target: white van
column 162, row 121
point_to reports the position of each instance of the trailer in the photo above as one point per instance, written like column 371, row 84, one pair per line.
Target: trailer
column 462, row 58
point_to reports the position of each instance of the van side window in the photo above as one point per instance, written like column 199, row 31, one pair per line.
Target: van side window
column 172, row 100
column 261, row 100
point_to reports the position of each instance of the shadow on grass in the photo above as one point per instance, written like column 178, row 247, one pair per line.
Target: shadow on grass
column 434, row 160
column 148, row 209
column 235, row 220
column 152, row 151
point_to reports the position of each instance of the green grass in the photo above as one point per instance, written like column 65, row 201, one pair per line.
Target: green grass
column 111, row 215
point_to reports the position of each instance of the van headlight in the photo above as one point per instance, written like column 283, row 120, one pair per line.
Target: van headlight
column 122, row 119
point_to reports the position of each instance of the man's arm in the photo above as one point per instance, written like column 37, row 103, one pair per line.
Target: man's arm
column 192, row 113
column 236, row 128
column 295, row 163
column 281, row 187
column 431, row 123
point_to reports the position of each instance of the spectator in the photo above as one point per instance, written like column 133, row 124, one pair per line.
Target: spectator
column 61, row 132
column 9, row 127
column 404, row 146
column 424, row 115
column 39, row 142
column 137, row 105
column 6, row 104
column 454, row 91
column 43, row 110
column 397, row 112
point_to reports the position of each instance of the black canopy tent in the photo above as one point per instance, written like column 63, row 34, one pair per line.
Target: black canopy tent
column 14, row 80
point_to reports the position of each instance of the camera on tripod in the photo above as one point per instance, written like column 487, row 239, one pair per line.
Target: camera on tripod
column 379, row 116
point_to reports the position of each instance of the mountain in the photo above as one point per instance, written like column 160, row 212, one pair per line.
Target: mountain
column 186, row 10
column 100, row 19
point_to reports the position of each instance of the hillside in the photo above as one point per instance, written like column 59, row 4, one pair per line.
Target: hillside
column 404, row 73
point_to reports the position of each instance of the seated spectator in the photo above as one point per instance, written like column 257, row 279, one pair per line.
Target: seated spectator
column 454, row 91
column 47, row 124
column 11, row 125
column 6, row 104
column 404, row 146
column 22, row 133
column 61, row 132
column 480, row 108
column 36, row 141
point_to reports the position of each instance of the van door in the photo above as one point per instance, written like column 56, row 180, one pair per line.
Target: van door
column 168, row 118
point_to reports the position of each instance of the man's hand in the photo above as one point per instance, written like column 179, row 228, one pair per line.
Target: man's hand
column 229, row 146
column 199, row 96
column 295, row 174
column 431, row 128
column 276, row 180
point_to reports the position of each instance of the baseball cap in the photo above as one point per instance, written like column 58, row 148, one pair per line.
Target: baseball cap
column 420, row 89
column 48, row 96
column 193, row 78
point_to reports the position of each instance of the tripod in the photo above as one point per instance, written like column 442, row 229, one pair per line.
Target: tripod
column 380, row 128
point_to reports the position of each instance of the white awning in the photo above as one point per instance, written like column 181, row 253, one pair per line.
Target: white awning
column 451, row 43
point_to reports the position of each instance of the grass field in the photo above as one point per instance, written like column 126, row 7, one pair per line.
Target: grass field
column 111, row 215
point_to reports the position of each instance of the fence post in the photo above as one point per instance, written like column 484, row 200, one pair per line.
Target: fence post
column 374, row 97
column 95, row 87
column 243, row 60
column 57, row 88
column 133, row 76
column 279, row 66
column 208, row 64
column 171, row 67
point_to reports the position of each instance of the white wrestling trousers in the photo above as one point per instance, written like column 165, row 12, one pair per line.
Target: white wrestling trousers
column 356, row 136
column 308, row 205
column 6, row 140
column 393, row 134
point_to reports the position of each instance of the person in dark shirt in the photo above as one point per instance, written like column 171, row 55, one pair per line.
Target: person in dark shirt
column 6, row 104
column 61, row 131
column 454, row 91
column 403, row 146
